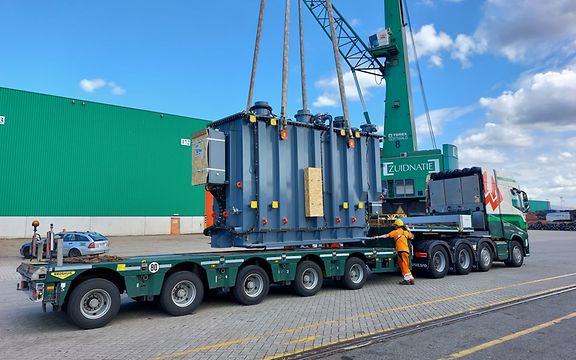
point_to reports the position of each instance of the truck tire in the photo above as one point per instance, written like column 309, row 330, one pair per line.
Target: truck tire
column 438, row 264
column 182, row 293
column 516, row 257
column 484, row 257
column 463, row 260
column 252, row 285
column 308, row 279
column 93, row 303
column 355, row 274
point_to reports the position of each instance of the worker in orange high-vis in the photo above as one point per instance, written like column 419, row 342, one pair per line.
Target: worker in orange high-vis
column 401, row 235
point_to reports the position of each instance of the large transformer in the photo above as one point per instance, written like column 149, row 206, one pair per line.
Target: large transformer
column 287, row 183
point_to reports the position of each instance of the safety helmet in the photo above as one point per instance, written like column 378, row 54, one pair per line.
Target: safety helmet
column 399, row 223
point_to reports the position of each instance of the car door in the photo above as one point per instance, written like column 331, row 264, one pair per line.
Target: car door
column 68, row 243
column 82, row 242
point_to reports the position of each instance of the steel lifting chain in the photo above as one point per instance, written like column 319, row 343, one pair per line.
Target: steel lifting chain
column 256, row 50
column 285, row 63
column 338, row 66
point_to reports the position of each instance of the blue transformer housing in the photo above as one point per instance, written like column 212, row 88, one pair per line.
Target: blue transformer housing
column 262, row 202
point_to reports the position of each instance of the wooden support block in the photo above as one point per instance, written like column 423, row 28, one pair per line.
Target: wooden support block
column 313, row 192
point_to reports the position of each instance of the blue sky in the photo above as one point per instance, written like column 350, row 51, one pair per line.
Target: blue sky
column 500, row 75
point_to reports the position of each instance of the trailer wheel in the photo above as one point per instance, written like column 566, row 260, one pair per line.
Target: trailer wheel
column 181, row 293
column 516, row 258
column 308, row 279
column 354, row 274
column 93, row 303
column 438, row 263
column 484, row 257
column 463, row 264
column 252, row 285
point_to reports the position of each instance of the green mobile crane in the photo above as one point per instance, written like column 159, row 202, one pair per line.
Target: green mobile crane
column 404, row 167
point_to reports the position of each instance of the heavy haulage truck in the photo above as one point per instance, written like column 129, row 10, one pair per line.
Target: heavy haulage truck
column 297, row 195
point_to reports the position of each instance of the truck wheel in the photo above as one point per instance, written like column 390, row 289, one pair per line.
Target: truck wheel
column 181, row 293
column 516, row 258
column 252, row 285
column 93, row 303
column 74, row 253
column 438, row 263
column 463, row 264
column 308, row 279
column 484, row 257
column 354, row 274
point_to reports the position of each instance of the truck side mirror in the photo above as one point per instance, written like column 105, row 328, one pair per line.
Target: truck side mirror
column 525, row 201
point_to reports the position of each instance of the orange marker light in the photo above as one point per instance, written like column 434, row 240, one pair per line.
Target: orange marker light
column 283, row 134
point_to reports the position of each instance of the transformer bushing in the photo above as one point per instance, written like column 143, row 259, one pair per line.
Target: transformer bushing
column 266, row 198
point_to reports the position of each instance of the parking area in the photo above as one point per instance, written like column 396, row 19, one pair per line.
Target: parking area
column 283, row 324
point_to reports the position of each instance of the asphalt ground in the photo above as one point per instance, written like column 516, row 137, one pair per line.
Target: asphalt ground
column 284, row 324
column 540, row 329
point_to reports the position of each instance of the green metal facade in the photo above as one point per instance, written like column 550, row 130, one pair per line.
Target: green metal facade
column 67, row 157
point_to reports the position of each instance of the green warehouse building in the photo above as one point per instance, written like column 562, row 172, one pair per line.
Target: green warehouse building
column 83, row 165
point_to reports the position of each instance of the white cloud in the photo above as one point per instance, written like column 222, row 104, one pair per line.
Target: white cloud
column 475, row 155
column 116, row 90
column 527, row 30
column 91, row 85
column 530, row 133
column 436, row 60
column 429, row 42
column 95, row 84
column 330, row 96
column 438, row 118
column 324, row 101
column 545, row 101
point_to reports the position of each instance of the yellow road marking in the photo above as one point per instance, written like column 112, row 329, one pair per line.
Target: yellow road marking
column 204, row 348
column 377, row 332
column 503, row 339
column 378, row 312
column 308, row 338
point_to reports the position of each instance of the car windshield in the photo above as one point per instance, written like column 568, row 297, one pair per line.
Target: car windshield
column 98, row 237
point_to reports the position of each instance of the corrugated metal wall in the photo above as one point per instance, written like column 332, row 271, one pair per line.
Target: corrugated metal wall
column 65, row 157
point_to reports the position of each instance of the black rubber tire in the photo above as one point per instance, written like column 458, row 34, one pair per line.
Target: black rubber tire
column 438, row 263
column 305, row 272
column 247, row 281
column 188, row 282
column 355, row 274
column 73, row 306
column 516, row 255
column 485, row 257
column 74, row 253
column 463, row 260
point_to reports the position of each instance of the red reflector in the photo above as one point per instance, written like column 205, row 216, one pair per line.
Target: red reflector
column 264, row 221
column 283, row 134
column 239, row 184
column 284, row 221
column 353, row 219
column 225, row 213
column 351, row 143
column 338, row 220
column 421, row 254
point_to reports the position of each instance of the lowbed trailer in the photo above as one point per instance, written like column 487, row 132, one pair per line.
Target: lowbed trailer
column 90, row 292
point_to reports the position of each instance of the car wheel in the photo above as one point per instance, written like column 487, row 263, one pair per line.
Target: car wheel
column 74, row 253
